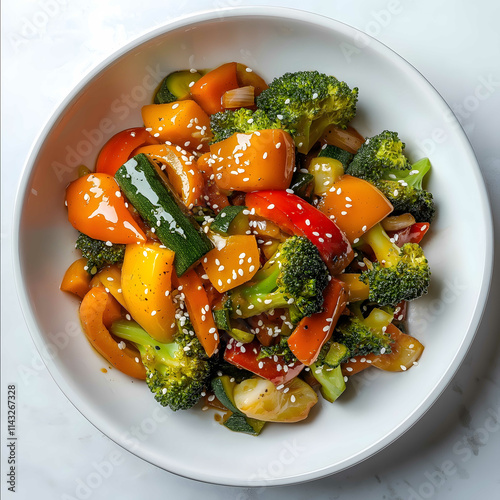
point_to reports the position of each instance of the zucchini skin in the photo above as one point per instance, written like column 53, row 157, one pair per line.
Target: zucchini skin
column 150, row 194
column 224, row 218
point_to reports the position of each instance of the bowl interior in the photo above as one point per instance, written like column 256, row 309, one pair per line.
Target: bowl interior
column 392, row 96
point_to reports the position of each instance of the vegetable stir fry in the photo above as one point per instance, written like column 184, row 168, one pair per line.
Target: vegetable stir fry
column 247, row 248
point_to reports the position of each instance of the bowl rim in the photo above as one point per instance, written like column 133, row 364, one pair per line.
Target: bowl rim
column 285, row 13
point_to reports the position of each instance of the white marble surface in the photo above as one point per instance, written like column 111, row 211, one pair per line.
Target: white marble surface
column 451, row 453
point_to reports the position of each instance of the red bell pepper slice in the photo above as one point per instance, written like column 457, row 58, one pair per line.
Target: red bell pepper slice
column 245, row 356
column 410, row 234
column 298, row 217
column 120, row 147
column 313, row 331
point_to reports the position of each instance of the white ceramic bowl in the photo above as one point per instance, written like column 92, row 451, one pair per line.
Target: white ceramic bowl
column 378, row 407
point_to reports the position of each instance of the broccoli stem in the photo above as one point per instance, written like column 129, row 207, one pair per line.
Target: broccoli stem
column 265, row 282
column 385, row 250
column 422, row 166
column 331, row 380
column 131, row 331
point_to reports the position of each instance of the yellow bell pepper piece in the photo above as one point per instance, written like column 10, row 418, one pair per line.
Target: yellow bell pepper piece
column 146, row 283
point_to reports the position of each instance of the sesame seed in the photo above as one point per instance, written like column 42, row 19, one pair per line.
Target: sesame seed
column 343, row 212
column 270, row 207
column 349, row 369
column 175, row 106
column 363, row 228
column 403, row 367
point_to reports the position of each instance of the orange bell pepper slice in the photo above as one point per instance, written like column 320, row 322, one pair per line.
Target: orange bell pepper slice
column 246, row 76
column 198, row 307
column 234, row 264
column 96, row 207
column 92, row 311
column 76, row 279
column 264, row 159
column 110, row 277
column 119, row 149
column 210, row 88
column 182, row 123
column 355, row 205
column 313, row 331
column 181, row 170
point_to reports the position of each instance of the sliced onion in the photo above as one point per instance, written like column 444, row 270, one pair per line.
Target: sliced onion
column 348, row 139
column 397, row 222
column 241, row 97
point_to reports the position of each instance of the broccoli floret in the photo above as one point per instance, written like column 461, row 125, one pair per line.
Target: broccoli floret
column 362, row 336
column 99, row 253
column 175, row 375
column 187, row 339
column 404, row 190
column 293, row 278
column 378, row 154
column 327, row 371
column 280, row 349
column 400, row 273
column 308, row 102
column 226, row 123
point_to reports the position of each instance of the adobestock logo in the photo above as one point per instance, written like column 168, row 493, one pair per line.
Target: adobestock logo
column 380, row 20
column 460, row 111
